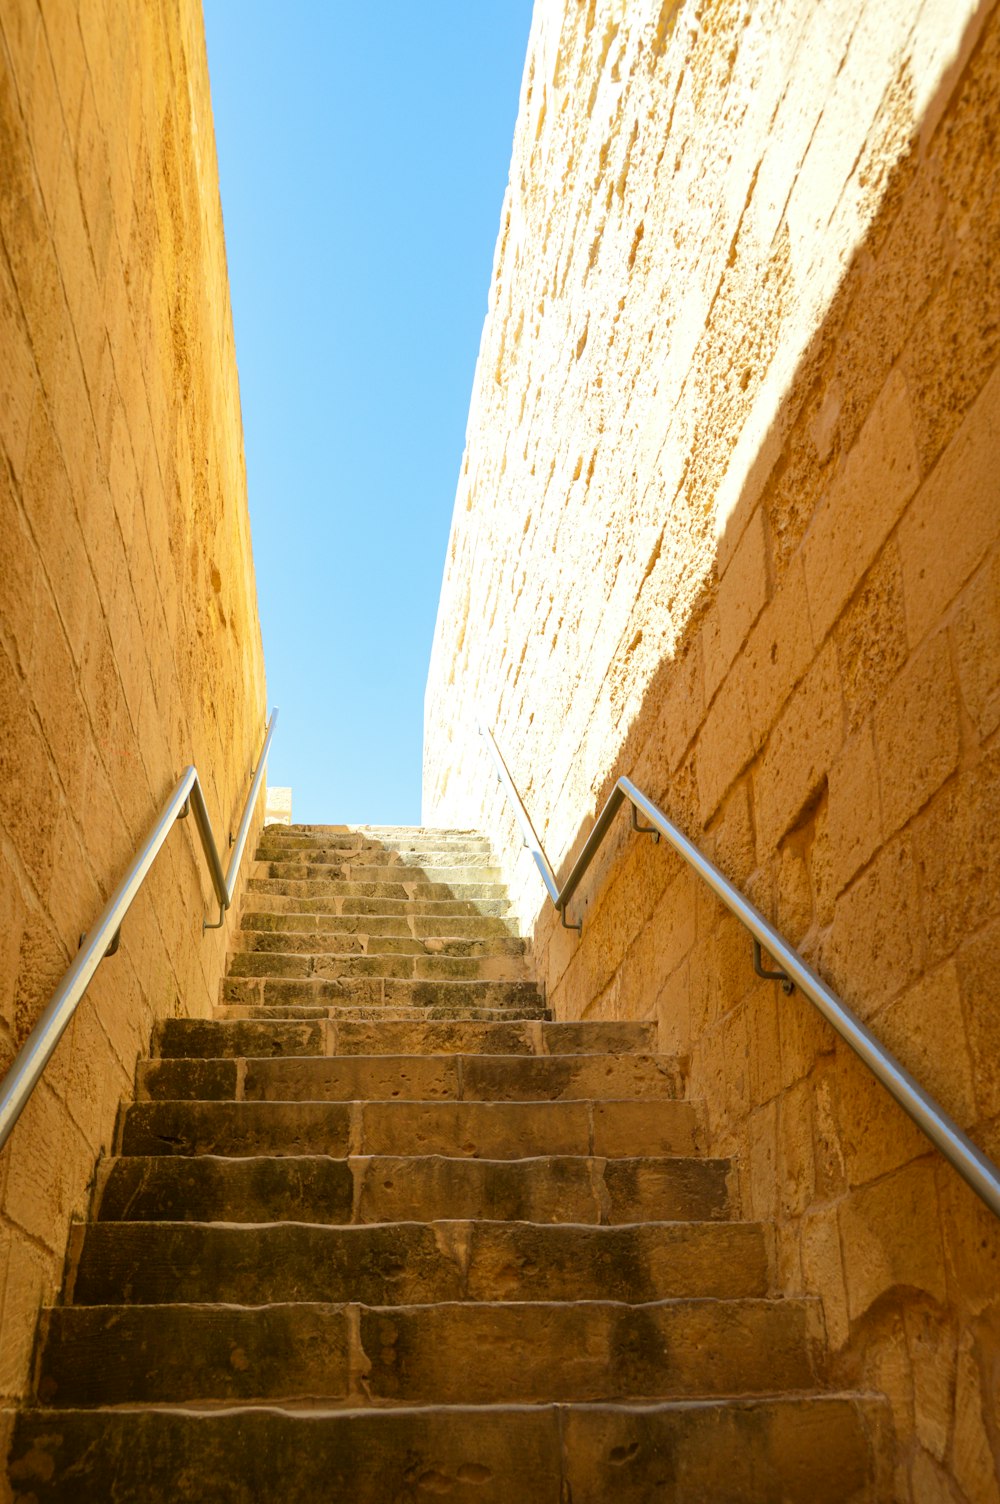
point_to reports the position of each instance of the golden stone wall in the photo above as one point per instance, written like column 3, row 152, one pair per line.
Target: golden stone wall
column 729, row 522
column 129, row 640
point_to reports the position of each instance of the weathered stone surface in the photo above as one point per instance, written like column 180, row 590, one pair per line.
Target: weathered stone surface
column 803, row 1450
column 511, row 1130
column 179, row 1037
column 563, row 1352
column 564, row 1188
column 428, row 1077
column 236, row 1128
column 727, row 523
column 379, row 1264
column 342, row 1216
column 193, row 1352
column 166, row 1262
column 489, row 1039
column 127, row 577
column 212, row 1188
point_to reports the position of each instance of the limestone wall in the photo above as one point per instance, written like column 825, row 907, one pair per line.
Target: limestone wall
column 729, row 522
column 129, row 641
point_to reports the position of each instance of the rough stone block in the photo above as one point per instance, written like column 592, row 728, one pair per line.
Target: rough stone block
column 863, row 504
column 800, row 751
column 917, row 733
column 891, row 1238
column 952, row 521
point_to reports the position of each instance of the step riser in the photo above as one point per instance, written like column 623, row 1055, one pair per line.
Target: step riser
column 413, row 1078
column 372, row 991
column 289, row 943
column 805, row 1451
column 473, row 1130
column 275, row 899
column 409, row 1263
column 414, row 892
column 412, row 877
column 215, row 1038
column 306, row 967
column 377, row 1013
column 567, row 1352
column 438, row 1188
column 328, row 920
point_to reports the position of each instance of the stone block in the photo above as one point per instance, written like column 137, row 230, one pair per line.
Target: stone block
column 724, row 746
column 800, row 750
column 977, row 970
column 932, row 1347
column 854, row 815
column 871, row 636
column 973, row 1457
column 956, row 846
column 953, row 519
column 976, row 636
column 779, row 650
column 823, row 1270
column 917, row 733
column 890, row 1233
column 875, row 946
column 740, row 598
column 863, row 504
column 925, row 1029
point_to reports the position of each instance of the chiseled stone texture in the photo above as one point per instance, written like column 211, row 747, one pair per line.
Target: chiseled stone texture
column 129, row 640
column 728, row 522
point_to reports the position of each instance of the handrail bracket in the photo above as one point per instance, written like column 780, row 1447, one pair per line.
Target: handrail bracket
column 787, row 985
column 644, row 830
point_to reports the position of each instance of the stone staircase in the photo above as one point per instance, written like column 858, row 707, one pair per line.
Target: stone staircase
column 381, row 1230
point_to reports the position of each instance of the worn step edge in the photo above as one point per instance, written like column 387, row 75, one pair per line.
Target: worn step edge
column 453, row 1077
column 405, row 1262
column 828, row 1448
column 183, row 1039
column 569, row 1350
column 367, row 1189
column 494, row 1130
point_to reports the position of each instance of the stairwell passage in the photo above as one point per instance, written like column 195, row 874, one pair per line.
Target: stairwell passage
column 382, row 1230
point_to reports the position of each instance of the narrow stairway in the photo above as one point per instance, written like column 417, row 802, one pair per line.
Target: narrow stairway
column 381, row 1230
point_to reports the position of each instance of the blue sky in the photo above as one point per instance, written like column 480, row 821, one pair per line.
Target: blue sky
column 363, row 157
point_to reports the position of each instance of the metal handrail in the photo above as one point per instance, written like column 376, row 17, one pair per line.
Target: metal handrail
column 102, row 938
column 972, row 1164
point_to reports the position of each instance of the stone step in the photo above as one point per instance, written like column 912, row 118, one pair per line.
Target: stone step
column 411, row 876
column 216, row 1038
column 360, row 942
column 487, row 1130
column 395, row 1263
column 384, row 1188
column 397, row 836
column 303, row 965
column 408, row 913
column 376, row 855
column 413, row 1078
column 377, row 1013
column 415, row 891
column 556, row 1351
column 799, row 1449
column 405, row 992
column 407, row 924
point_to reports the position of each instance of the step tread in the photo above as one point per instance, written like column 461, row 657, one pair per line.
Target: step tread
column 416, row 1077
column 387, row 1188
column 804, row 1449
column 404, row 1262
column 569, row 1350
